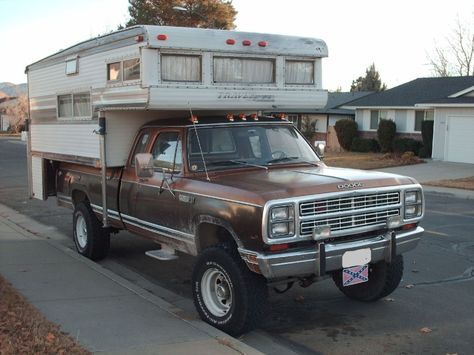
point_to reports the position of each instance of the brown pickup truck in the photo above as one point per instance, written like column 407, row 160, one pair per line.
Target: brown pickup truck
column 251, row 199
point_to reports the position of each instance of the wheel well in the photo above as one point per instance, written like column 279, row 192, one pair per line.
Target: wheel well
column 211, row 234
column 78, row 196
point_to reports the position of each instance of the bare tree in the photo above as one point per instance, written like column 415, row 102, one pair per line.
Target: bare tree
column 456, row 57
column 17, row 113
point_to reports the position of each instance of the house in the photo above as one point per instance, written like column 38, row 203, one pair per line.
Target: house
column 5, row 102
column 449, row 102
column 318, row 124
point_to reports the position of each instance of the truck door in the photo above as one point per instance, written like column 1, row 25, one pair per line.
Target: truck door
column 156, row 205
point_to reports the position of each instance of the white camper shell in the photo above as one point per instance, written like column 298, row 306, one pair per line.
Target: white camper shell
column 145, row 73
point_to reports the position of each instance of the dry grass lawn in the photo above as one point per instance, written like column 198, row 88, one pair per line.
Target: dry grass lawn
column 23, row 330
column 464, row 183
column 368, row 161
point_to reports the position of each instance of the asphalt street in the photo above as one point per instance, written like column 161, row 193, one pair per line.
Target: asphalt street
column 431, row 312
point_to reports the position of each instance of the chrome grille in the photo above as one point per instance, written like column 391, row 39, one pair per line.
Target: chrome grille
column 349, row 222
column 343, row 204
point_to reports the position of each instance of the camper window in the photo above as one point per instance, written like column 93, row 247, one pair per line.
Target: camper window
column 64, row 106
column 244, row 70
column 74, row 105
column 113, row 72
column 71, row 66
column 299, row 72
column 131, row 69
column 180, row 67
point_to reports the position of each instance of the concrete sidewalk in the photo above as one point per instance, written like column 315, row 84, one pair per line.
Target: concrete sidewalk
column 103, row 311
column 434, row 170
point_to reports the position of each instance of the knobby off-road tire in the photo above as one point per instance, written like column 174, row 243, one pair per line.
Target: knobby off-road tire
column 384, row 278
column 90, row 238
column 226, row 293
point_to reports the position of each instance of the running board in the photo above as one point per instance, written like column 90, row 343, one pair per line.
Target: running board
column 163, row 254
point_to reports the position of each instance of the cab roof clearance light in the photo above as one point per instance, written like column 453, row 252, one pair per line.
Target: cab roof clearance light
column 194, row 119
column 230, row 117
column 243, row 117
column 254, row 116
column 281, row 116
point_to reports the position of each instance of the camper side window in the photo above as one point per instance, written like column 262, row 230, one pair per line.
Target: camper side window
column 75, row 105
column 244, row 70
column 180, row 67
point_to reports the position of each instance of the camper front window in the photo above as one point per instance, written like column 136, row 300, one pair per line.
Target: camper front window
column 113, row 72
column 65, row 106
column 74, row 105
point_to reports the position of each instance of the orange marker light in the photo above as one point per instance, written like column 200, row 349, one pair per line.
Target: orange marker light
column 242, row 117
column 230, row 117
column 194, row 119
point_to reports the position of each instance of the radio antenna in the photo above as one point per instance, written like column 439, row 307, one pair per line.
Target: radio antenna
column 199, row 143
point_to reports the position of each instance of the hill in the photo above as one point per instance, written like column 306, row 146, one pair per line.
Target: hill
column 10, row 89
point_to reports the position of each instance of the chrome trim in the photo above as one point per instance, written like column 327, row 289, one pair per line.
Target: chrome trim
column 339, row 194
column 305, row 261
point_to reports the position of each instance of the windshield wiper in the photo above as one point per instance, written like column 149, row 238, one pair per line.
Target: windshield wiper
column 234, row 162
column 279, row 160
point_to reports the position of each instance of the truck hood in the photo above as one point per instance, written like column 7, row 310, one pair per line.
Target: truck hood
column 260, row 186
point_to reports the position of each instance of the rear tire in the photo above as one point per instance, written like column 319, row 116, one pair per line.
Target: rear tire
column 90, row 238
column 384, row 278
column 226, row 293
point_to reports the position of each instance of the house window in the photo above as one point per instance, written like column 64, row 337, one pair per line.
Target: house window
column 131, row 69
column 374, row 119
column 114, row 72
column 421, row 116
column 299, row 72
column 72, row 66
column 180, row 67
column 74, row 105
column 244, row 70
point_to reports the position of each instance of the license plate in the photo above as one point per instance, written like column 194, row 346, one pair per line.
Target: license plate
column 356, row 257
column 355, row 275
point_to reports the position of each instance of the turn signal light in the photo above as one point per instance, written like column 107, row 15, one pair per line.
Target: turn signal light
column 278, row 247
column 162, row 37
column 409, row 226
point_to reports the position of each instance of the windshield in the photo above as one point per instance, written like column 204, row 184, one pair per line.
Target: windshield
column 261, row 146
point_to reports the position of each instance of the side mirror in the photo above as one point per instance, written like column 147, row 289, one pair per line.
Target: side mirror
column 320, row 147
column 144, row 165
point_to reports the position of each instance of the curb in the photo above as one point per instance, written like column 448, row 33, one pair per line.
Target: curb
column 218, row 335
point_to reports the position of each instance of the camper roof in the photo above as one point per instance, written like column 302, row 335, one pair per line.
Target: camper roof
column 196, row 39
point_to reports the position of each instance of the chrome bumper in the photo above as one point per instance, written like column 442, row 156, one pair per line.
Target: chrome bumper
column 307, row 261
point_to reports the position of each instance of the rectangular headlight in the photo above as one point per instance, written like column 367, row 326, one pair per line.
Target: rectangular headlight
column 412, row 197
column 282, row 229
column 412, row 211
column 280, row 213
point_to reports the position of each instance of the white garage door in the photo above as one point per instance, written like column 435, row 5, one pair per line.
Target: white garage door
column 460, row 142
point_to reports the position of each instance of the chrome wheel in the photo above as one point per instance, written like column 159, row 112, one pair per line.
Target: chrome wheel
column 216, row 292
column 81, row 231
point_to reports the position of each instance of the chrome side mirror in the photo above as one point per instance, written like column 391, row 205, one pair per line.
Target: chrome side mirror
column 144, row 165
column 320, row 147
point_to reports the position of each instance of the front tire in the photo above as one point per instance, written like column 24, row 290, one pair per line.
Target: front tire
column 384, row 278
column 90, row 238
column 226, row 293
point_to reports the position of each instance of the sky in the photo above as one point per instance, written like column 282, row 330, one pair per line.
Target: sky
column 396, row 36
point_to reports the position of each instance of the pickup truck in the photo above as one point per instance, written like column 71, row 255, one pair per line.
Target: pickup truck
column 252, row 200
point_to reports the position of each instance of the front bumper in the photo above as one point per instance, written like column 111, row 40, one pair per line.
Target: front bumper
column 305, row 262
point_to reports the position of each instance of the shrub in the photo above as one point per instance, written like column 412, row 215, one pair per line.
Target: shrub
column 402, row 145
column 407, row 156
column 427, row 135
column 346, row 131
column 364, row 145
column 385, row 134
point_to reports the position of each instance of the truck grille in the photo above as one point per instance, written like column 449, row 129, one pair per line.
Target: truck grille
column 343, row 204
column 345, row 213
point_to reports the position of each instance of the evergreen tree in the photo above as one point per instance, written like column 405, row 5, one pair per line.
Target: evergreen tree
column 371, row 81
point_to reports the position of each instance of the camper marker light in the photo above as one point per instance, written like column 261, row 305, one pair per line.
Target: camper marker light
column 246, row 42
column 230, row 117
column 262, row 44
column 162, row 37
column 230, row 41
column 242, row 117
column 139, row 38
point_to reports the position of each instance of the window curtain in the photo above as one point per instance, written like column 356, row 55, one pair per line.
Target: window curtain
column 180, row 68
column 299, row 72
column 240, row 70
column 82, row 105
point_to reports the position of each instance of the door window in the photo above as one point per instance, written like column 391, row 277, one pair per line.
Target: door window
column 167, row 152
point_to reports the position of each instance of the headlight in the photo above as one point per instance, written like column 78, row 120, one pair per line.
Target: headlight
column 413, row 204
column 282, row 221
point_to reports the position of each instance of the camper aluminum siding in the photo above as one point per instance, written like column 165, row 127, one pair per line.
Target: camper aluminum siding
column 70, row 137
